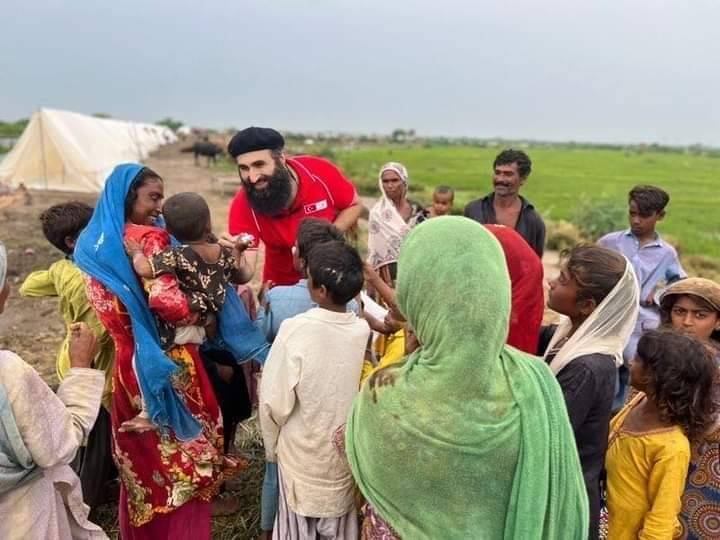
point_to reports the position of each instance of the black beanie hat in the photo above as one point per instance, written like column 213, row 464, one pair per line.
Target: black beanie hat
column 255, row 138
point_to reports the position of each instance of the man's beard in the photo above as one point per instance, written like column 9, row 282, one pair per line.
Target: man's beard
column 276, row 196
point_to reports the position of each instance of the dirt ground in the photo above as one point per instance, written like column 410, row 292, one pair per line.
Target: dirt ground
column 33, row 329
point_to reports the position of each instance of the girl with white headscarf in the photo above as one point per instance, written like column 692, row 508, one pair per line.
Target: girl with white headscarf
column 40, row 432
column 597, row 295
column 391, row 218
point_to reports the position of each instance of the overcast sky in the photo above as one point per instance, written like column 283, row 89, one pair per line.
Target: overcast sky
column 601, row 70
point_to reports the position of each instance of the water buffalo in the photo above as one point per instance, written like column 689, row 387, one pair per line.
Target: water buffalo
column 205, row 148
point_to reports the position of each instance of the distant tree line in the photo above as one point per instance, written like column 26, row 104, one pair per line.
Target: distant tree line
column 171, row 123
column 402, row 136
column 13, row 129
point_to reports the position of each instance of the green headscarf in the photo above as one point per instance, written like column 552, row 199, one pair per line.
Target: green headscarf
column 473, row 439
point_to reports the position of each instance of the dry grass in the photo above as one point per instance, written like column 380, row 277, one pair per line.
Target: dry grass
column 241, row 526
column 246, row 523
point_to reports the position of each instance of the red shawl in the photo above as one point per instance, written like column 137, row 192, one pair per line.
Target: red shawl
column 528, row 297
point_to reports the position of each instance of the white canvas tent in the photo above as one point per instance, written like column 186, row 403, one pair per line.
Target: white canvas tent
column 62, row 150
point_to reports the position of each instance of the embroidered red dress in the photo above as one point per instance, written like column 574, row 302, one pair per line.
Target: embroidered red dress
column 160, row 473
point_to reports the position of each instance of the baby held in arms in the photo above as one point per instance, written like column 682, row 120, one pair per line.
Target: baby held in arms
column 203, row 268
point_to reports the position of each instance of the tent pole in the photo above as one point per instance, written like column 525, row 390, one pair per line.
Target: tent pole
column 42, row 147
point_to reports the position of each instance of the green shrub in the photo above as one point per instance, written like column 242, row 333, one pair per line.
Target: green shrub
column 13, row 129
column 561, row 235
column 596, row 217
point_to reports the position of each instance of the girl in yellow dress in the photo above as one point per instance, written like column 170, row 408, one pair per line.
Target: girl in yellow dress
column 649, row 447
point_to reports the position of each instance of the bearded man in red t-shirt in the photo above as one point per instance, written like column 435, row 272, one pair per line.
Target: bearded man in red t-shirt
column 277, row 193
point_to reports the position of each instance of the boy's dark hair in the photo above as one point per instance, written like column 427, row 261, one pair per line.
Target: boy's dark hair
column 145, row 175
column 510, row 156
column 595, row 269
column 64, row 220
column 187, row 216
column 649, row 199
column 314, row 231
column 443, row 190
column 338, row 267
column 683, row 373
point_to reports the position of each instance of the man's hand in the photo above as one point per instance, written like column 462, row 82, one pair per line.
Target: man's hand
column 349, row 216
column 83, row 346
column 237, row 243
column 227, row 240
column 246, row 260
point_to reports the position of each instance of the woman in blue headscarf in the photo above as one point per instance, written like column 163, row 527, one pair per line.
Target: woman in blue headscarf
column 168, row 475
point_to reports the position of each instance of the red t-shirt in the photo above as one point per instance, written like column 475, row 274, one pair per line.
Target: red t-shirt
column 323, row 192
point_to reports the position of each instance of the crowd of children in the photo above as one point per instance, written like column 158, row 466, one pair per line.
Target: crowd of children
column 631, row 322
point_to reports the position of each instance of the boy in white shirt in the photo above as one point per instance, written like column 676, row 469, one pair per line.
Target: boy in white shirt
column 309, row 381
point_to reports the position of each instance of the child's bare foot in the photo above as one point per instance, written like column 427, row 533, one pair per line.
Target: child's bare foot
column 138, row 424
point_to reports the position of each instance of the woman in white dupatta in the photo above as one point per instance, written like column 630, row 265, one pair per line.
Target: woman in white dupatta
column 40, row 433
column 596, row 295
column 391, row 219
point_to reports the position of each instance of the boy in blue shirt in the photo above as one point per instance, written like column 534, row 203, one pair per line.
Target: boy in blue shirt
column 655, row 262
column 285, row 301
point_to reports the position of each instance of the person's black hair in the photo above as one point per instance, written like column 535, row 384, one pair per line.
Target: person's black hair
column 65, row 220
column 510, row 156
column 682, row 372
column 444, row 190
column 649, row 199
column 187, row 216
column 338, row 267
column 314, row 231
column 145, row 176
column 595, row 270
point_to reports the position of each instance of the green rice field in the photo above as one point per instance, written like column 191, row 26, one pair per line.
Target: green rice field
column 562, row 178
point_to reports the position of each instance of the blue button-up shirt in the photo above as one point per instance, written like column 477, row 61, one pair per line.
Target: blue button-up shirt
column 656, row 265
column 286, row 301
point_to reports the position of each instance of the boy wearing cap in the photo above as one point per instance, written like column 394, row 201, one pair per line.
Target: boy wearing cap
column 278, row 192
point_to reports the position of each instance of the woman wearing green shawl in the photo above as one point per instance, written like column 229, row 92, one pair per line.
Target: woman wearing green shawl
column 472, row 438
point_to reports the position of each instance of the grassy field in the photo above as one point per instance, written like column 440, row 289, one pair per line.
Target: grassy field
column 562, row 179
